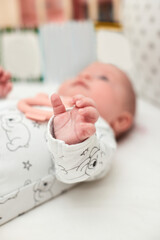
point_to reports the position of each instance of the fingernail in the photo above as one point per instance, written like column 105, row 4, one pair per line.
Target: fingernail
column 78, row 103
column 81, row 110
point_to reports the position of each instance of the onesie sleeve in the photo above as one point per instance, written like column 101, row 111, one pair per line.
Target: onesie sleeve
column 84, row 161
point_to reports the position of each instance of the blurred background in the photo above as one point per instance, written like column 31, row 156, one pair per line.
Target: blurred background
column 51, row 40
column 44, row 42
column 32, row 13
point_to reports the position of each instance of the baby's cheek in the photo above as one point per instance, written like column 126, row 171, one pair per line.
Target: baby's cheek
column 63, row 89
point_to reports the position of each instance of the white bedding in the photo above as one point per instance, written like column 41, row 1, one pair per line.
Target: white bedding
column 124, row 205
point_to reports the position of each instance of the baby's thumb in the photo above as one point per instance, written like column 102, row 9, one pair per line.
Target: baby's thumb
column 58, row 106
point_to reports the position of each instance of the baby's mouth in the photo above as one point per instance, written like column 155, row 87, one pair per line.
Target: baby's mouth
column 81, row 84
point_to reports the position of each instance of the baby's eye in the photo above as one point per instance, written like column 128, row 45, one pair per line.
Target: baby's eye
column 103, row 78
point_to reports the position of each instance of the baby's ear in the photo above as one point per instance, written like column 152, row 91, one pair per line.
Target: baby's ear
column 122, row 123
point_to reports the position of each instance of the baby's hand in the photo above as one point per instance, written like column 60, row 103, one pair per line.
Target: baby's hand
column 5, row 83
column 76, row 125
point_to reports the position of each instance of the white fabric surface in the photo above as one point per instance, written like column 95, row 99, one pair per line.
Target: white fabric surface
column 124, row 205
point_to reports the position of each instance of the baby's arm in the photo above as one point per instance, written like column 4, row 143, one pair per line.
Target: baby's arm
column 5, row 83
column 79, row 154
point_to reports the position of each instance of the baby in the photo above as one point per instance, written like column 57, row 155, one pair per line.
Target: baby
column 82, row 139
column 87, row 140
column 111, row 95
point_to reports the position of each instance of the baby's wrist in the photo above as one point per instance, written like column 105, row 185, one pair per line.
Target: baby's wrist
column 67, row 140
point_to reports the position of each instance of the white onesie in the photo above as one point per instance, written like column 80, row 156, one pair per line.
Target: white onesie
column 27, row 169
column 88, row 160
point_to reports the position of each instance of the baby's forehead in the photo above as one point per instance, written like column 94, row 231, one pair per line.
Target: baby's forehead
column 95, row 68
column 113, row 73
column 102, row 68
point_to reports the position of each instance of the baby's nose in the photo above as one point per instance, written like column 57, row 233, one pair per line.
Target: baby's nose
column 85, row 76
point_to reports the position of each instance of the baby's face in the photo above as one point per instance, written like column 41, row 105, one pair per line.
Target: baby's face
column 101, row 82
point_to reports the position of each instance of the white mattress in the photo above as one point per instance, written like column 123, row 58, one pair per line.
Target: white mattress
column 124, row 205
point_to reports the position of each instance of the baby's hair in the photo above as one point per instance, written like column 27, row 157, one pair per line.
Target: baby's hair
column 127, row 99
column 130, row 95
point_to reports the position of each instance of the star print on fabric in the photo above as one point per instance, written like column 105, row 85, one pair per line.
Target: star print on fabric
column 27, row 165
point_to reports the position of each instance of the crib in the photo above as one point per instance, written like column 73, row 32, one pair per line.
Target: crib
column 123, row 205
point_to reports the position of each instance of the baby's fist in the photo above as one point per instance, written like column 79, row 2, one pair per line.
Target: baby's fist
column 5, row 83
column 76, row 125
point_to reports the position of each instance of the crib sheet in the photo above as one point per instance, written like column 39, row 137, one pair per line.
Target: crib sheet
column 124, row 205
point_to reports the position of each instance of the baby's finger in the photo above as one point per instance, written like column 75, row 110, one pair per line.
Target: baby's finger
column 4, row 91
column 5, row 77
column 1, row 77
column 89, row 113
column 1, row 70
column 85, row 102
column 57, row 104
column 9, row 86
column 76, row 98
column 8, row 76
column 1, row 92
column 85, row 130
